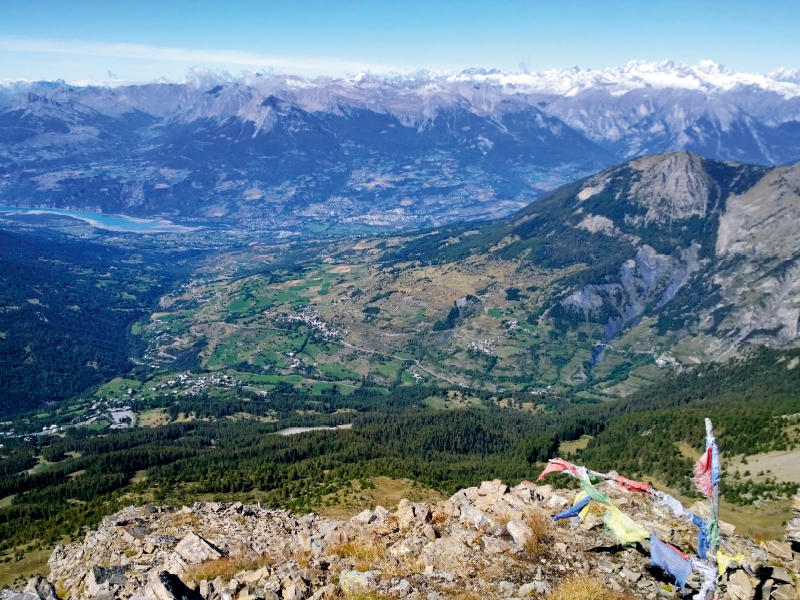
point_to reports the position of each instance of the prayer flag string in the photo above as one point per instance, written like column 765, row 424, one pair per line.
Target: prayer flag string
column 627, row 531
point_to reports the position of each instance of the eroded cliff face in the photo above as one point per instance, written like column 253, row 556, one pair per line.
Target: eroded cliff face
column 673, row 187
column 484, row 542
column 715, row 248
column 758, row 262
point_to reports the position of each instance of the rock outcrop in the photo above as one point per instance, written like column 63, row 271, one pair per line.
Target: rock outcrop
column 485, row 542
column 793, row 529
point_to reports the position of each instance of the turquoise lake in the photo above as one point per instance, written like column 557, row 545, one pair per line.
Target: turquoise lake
column 110, row 222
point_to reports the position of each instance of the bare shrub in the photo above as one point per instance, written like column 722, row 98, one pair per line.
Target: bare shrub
column 538, row 542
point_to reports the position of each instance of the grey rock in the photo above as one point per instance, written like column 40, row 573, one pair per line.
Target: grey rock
column 477, row 519
column 556, row 502
column 781, row 550
column 422, row 512
column 631, row 576
column 429, row 532
column 519, row 531
column 781, row 575
column 41, row 588
column 294, row 591
column 506, row 589
column 614, row 585
column 493, row 545
column 766, row 589
column 785, row 592
column 740, row 586
column 793, row 530
column 100, row 579
column 137, row 532
column 194, row 549
column 492, row 487
column 166, row 586
column 365, row 517
column 329, row 591
column 607, row 566
column 534, row 587
column 21, row 596
column 402, row 589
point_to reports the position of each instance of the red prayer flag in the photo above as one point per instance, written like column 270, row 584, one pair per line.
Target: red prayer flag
column 634, row 486
column 702, row 473
column 556, row 465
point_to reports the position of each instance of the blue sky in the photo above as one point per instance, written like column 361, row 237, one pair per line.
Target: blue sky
column 146, row 40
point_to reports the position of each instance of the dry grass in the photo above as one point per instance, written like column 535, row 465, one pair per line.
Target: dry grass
column 584, row 588
column 365, row 596
column 538, row 543
column 302, row 557
column 403, row 566
column 438, row 516
column 185, row 519
column 464, row 595
column 33, row 563
column 502, row 518
column 364, row 554
column 227, row 567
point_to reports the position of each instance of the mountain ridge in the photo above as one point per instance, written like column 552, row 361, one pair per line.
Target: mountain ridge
column 416, row 150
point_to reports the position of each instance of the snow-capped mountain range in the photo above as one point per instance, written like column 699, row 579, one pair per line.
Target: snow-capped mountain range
column 415, row 149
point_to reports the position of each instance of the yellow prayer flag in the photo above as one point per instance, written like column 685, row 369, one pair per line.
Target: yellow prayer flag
column 625, row 529
column 723, row 560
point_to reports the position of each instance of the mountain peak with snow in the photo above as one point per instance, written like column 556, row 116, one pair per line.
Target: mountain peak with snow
column 479, row 142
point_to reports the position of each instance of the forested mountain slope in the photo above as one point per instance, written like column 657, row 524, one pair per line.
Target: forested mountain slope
column 66, row 309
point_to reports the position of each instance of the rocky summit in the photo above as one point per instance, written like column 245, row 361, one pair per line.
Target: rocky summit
column 484, row 542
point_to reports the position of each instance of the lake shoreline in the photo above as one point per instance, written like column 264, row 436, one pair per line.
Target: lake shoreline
column 119, row 223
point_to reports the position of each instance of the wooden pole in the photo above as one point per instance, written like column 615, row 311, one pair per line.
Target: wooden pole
column 712, row 558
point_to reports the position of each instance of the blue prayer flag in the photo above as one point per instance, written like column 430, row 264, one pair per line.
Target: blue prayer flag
column 574, row 510
column 668, row 558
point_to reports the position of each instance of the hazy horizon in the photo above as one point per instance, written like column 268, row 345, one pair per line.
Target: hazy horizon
column 146, row 41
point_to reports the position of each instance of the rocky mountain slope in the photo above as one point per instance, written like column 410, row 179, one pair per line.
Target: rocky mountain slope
column 716, row 250
column 671, row 251
column 486, row 542
column 278, row 151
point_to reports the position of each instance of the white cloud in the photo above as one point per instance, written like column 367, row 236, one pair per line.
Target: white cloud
column 142, row 52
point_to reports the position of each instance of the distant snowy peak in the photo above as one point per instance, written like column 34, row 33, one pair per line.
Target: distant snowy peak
column 786, row 75
column 706, row 76
column 641, row 108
